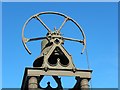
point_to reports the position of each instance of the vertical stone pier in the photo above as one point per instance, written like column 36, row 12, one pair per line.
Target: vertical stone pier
column 84, row 84
column 33, row 83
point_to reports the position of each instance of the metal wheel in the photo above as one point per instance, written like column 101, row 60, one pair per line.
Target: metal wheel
column 48, row 36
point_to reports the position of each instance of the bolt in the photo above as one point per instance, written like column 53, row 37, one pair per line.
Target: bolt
column 74, row 70
column 45, row 68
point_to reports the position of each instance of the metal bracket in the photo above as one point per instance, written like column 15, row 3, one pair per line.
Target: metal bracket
column 82, row 77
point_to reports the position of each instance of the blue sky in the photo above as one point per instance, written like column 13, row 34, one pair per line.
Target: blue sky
column 1, row 43
column 99, row 22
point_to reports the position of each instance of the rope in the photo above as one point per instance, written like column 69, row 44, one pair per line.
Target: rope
column 91, row 84
column 88, row 66
column 87, row 58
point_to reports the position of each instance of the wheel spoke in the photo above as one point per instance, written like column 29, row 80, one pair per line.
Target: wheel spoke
column 43, row 23
column 71, row 39
column 34, row 39
column 66, row 19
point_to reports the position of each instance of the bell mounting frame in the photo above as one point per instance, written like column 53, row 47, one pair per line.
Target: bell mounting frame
column 67, row 18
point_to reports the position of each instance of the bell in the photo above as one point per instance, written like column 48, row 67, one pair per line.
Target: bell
column 56, row 56
column 39, row 61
